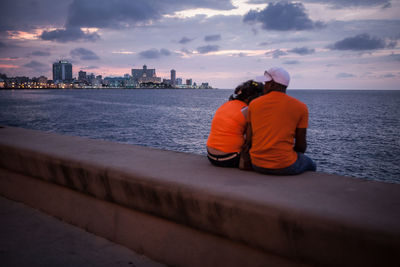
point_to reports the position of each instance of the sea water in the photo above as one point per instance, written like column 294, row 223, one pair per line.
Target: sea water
column 351, row 133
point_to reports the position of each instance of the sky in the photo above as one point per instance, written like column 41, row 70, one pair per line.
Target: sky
column 323, row 44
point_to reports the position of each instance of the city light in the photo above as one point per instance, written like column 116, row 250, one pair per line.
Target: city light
column 63, row 79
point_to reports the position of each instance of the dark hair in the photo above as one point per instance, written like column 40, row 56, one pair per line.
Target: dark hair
column 247, row 91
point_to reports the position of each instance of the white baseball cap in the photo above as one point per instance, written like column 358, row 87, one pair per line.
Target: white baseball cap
column 278, row 75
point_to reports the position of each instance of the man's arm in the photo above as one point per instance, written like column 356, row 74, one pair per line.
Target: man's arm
column 245, row 161
column 249, row 134
column 300, row 144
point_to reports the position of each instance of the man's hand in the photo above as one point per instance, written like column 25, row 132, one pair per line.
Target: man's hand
column 300, row 144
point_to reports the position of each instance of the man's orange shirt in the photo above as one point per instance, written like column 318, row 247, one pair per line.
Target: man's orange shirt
column 227, row 127
column 274, row 118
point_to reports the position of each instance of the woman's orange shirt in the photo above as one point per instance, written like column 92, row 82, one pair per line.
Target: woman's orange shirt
column 228, row 127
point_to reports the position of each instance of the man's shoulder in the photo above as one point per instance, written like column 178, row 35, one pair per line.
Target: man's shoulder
column 296, row 101
column 257, row 101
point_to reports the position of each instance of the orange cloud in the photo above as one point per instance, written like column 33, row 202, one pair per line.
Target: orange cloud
column 6, row 66
column 21, row 35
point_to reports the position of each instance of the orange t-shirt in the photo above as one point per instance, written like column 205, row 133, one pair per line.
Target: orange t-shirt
column 274, row 118
column 228, row 127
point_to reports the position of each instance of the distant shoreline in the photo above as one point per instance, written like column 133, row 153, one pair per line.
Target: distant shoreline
column 146, row 88
column 108, row 88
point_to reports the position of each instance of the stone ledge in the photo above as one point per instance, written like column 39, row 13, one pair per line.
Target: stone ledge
column 313, row 218
column 159, row 239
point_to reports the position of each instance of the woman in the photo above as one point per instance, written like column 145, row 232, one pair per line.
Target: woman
column 228, row 126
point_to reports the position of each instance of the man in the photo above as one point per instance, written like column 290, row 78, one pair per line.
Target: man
column 277, row 128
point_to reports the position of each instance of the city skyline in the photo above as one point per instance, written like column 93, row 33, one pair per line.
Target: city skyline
column 324, row 44
column 63, row 78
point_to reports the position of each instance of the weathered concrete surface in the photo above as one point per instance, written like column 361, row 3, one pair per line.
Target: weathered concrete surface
column 313, row 218
column 31, row 238
column 157, row 238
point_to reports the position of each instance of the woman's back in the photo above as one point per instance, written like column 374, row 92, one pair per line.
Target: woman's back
column 228, row 127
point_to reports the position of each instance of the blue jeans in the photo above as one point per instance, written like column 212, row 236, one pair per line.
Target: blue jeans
column 302, row 164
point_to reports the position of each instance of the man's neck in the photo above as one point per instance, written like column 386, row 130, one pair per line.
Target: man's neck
column 282, row 90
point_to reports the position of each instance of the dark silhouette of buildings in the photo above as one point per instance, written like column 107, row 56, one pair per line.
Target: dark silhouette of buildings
column 62, row 71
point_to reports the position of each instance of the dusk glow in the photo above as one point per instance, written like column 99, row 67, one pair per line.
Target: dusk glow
column 324, row 44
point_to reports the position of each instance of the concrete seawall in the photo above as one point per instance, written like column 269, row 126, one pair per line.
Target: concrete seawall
column 178, row 209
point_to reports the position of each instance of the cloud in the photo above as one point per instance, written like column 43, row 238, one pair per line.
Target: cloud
column 186, row 51
column 8, row 45
column 33, row 14
column 284, row 39
column 210, row 38
column 393, row 57
column 110, row 14
column 90, row 67
column 264, row 43
column 359, row 42
column 353, row 3
column 291, row 62
column 282, row 16
column 241, row 54
column 207, row 49
column 84, row 54
column 28, row 15
column 344, row 75
column 340, row 3
column 36, row 65
column 389, row 75
column 40, row 53
column 69, row 34
column 127, row 13
column 276, row 53
column 154, row 53
column 392, row 44
column 302, row 50
column 8, row 58
column 185, row 40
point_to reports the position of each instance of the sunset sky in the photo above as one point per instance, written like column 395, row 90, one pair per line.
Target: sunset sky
column 324, row 44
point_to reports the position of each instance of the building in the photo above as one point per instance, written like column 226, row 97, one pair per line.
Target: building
column 189, row 82
column 167, row 81
column 90, row 78
column 178, row 81
column 42, row 80
column 2, row 83
column 82, row 76
column 173, row 77
column 115, row 82
column 205, row 86
column 145, row 75
column 62, row 71
column 98, row 81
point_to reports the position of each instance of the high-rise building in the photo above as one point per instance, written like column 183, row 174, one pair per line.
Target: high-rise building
column 82, row 76
column 189, row 82
column 145, row 75
column 173, row 76
column 90, row 78
column 62, row 71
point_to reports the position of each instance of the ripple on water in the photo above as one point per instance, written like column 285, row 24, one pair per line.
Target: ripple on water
column 352, row 133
